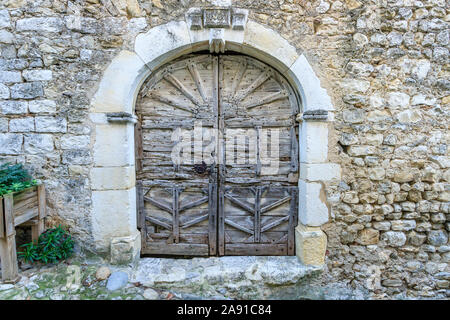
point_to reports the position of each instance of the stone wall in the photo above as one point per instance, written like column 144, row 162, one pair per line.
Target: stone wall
column 384, row 63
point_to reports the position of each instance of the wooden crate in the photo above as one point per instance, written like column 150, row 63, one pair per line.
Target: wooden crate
column 26, row 207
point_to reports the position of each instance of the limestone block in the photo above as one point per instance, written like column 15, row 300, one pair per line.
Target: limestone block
column 21, row 125
column 320, row 171
column 37, row 75
column 48, row 24
column 114, row 178
column 271, row 46
column 38, row 143
column 114, row 145
column 42, row 106
column 312, row 93
column 113, row 215
column 4, row 91
column 125, row 250
column 313, row 210
column 5, row 20
column 118, row 87
column 10, row 76
column 29, row 90
column 10, row 143
column 75, row 142
column 172, row 40
column 310, row 245
column 14, row 107
column 314, row 142
column 51, row 124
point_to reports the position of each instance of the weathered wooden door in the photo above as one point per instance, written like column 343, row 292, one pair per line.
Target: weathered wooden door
column 217, row 159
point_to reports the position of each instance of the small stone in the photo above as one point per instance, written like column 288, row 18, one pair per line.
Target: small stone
column 102, row 273
column 21, row 125
column 11, row 143
column 14, row 107
column 10, row 76
column 403, row 176
column 394, row 238
column 6, row 37
column 437, row 237
column 403, row 225
column 4, row 91
column 38, row 143
column 368, row 237
column 40, row 24
column 117, row 280
column 27, row 90
column 409, row 116
column 42, row 106
column 398, row 100
column 37, row 75
column 392, row 283
column 51, row 124
column 151, row 294
column 5, row 21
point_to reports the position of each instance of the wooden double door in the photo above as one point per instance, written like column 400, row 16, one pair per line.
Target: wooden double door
column 217, row 158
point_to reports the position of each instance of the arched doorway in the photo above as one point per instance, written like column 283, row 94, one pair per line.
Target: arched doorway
column 217, row 158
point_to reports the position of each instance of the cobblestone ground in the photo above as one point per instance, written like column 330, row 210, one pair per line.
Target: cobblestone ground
column 166, row 279
column 51, row 283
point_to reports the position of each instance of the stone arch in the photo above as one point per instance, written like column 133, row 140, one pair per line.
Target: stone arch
column 113, row 173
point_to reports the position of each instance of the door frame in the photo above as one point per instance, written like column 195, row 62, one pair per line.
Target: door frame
column 113, row 215
column 218, row 189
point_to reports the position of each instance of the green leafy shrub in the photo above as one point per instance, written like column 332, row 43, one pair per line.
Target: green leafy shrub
column 14, row 178
column 53, row 245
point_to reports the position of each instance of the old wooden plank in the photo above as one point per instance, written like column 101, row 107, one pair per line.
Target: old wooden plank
column 255, row 249
column 179, row 85
column 212, row 207
column 293, row 216
column 140, row 205
column 198, row 80
column 8, row 253
column 194, row 203
column 266, row 100
column 257, row 215
column 275, row 204
column 240, row 203
column 158, row 204
column 2, row 224
column 176, row 215
column 191, row 249
column 238, row 226
column 159, row 222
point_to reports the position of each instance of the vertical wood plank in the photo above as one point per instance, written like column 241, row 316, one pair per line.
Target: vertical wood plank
column 257, row 216
column 8, row 243
column 38, row 228
column 294, row 150
column 2, row 224
column 140, row 205
column 293, row 214
column 212, row 206
column 221, row 227
column 138, row 143
column 175, row 216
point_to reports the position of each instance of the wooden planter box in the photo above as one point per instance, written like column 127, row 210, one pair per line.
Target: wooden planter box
column 26, row 207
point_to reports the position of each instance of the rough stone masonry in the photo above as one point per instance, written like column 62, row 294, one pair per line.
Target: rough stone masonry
column 385, row 63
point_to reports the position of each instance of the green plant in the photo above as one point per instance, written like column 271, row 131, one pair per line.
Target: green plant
column 53, row 245
column 14, row 178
